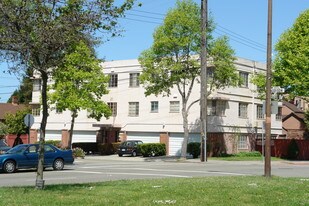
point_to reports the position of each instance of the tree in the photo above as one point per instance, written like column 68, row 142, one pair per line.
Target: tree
column 80, row 84
column 15, row 122
column 172, row 59
column 3, row 129
column 292, row 58
column 24, row 92
column 37, row 34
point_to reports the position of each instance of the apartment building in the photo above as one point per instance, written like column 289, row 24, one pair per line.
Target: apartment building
column 235, row 115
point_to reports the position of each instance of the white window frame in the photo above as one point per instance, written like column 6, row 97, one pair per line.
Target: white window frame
column 134, row 80
column 242, row 110
column 279, row 114
column 113, row 107
column 37, row 85
column 244, row 76
column 259, row 111
column 36, row 110
column 133, row 109
column 154, row 106
column 242, row 142
column 174, row 106
column 113, row 80
column 216, row 107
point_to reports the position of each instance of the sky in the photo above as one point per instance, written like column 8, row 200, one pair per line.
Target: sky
column 243, row 21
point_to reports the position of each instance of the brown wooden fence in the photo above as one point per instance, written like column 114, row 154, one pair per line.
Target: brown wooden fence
column 279, row 148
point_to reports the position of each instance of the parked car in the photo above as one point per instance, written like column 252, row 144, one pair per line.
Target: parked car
column 129, row 147
column 3, row 146
column 25, row 156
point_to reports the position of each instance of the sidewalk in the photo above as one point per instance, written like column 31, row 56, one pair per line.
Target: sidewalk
column 115, row 157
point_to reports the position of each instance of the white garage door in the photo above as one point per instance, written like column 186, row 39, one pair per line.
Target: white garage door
column 53, row 135
column 146, row 137
column 176, row 140
column 84, row 136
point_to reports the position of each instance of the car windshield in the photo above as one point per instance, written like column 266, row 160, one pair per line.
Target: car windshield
column 2, row 143
column 17, row 149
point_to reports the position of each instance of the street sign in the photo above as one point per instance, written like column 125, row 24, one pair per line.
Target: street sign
column 29, row 120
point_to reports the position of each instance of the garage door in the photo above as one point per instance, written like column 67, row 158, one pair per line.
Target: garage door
column 53, row 135
column 146, row 137
column 84, row 136
column 176, row 140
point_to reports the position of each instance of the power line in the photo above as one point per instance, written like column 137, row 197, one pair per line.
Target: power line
column 141, row 20
column 233, row 35
column 258, row 49
column 243, row 37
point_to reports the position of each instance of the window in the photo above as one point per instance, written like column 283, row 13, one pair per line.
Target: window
column 242, row 110
column 36, row 85
column 216, row 107
column 48, row 149
column 242, row 142
column 154, row 107
column 244, row 79
column 36, row 110
column 259, row 112
column 133, row 109
column 134, row 80
column 32, row 149
column 58, row 111
column 174, row 106
column 113, row 107
column 279, row 114
column 113, row 80
column 210, row 73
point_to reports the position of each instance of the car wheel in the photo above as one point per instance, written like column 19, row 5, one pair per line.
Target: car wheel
column 9, row 166
column 120, row 155
column 134, row 154
column 58, row 164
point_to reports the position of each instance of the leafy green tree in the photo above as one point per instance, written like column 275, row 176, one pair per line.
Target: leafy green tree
column 24, row 92
column 15, row 122
column 36, row 35
column 79, row 85
column 292, row 58
column 172, row 60
column 3, row 129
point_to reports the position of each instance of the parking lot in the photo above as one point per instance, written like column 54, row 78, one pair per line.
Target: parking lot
column 109, row 168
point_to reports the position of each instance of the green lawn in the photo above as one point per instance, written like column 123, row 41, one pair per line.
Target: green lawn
column 236, row 158
column 174, row 191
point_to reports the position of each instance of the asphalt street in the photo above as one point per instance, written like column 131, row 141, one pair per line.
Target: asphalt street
column 110, row 168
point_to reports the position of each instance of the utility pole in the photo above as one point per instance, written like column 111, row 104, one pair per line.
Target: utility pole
column 203, row 100
column 267, row 164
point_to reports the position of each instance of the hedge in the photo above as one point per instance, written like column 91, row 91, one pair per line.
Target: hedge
column 152, row 149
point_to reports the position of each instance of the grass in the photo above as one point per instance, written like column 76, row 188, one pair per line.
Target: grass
column 244, row 156
column 235, row 158
column 174, row 191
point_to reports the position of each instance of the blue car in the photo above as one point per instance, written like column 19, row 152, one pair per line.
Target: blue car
column 3, row 146
column 26, row 156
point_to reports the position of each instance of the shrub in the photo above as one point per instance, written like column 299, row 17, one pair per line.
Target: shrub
column 194, row 148
column 293, row 150
column 152, row 149
column 56, row 143
column 248, row 154
column 78, row 152
column 88, row 147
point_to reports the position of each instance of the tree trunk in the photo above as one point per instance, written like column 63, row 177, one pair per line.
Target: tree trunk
column 39, row 184
column 186, row 131
column 71, row 129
